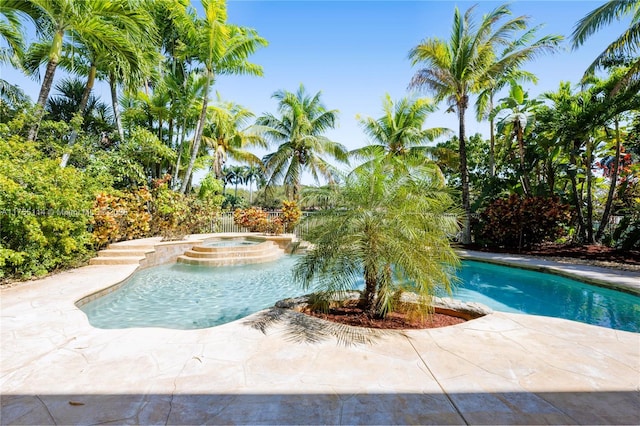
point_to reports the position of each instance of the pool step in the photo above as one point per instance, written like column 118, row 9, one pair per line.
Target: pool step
column 122, row 254
column 230, row 261
column 115, row 260
column 203, row 255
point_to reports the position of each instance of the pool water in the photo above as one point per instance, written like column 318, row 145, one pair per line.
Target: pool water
column 231, row 243
column 521, row 291
column 191, row 297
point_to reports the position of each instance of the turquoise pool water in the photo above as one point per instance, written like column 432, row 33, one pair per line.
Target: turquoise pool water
column 190, row 297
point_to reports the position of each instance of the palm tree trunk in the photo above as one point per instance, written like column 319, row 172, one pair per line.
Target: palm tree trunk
column 82, row 110
column 612, row 185
column 589, row 221
column 198, row 136
column 551, row 176
column 47, row 82
column 464, row 174
column 114, row 105
column 180, row 135
column 368, row 298
column 577, row 199
column 526, row 185
column 492, row 145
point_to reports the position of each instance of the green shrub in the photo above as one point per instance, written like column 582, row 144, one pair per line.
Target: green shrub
column 517, row 222
column 44, row 212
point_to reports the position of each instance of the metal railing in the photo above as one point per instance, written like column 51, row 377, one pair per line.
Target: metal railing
column 224, row 223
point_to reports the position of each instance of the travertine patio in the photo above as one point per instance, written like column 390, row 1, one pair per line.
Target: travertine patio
column 502, row 368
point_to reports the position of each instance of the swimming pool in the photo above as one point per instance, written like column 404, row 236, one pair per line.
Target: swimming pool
column 191, row 297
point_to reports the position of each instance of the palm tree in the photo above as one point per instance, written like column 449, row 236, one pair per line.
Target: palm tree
column 514, row 114
column 221, row 48
column 11, row 31
column 398, row 136
column 227, row 133
column 577, row 122
column 186, row 109
column 484, row 102
column 63, row 107
column 234, row 175
column 387, row 228
column 252, row 174
column 299, row 131
column 626, row 45
column 90, row 22
column 457, row 68
column 122, row 49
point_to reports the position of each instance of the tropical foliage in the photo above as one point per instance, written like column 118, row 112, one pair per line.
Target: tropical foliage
column 163, row 155
column 455, row 69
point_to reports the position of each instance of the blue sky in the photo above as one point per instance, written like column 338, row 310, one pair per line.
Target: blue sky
column 356, row 51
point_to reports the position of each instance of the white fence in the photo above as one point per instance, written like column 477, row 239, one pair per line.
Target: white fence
column 224, row 223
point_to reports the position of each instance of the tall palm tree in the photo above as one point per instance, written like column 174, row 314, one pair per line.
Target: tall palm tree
column 90, row 22
column 626, row 45
column 299, row 131
column 399, row 135
column 220, row 48
column 577, row 121
column 234, row 175
column 389, row 229
column 515, row 114
column 484, row 101
column 227, row 133
column 457, row 68
column 253, row 174
column 122, row 49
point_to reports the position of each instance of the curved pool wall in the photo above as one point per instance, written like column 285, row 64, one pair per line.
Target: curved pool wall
column 264, row 284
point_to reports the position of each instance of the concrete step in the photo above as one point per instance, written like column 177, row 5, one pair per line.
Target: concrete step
column 132, row 246
column 116, row 260
column 230, row 254
column 123, row 253
column 228, row 249
column 271, row 256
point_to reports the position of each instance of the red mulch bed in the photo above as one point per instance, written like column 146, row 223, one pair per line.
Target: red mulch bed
column 351, row 314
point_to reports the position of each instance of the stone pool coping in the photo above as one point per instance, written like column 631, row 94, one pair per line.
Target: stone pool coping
column 502, row 368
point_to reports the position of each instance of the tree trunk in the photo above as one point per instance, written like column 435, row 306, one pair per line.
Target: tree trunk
column 180, row 135
column 576, row 196
column 82, row 110
column 368, row 298
column 47, row 82
column 612, row 186
column 198, row 136
column 492, row 145
column 551, row 177
column 464, row 174
column 526, row 185
column 589, row 220
column 114, row 105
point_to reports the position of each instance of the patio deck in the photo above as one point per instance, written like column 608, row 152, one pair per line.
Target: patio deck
column 499, row 369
